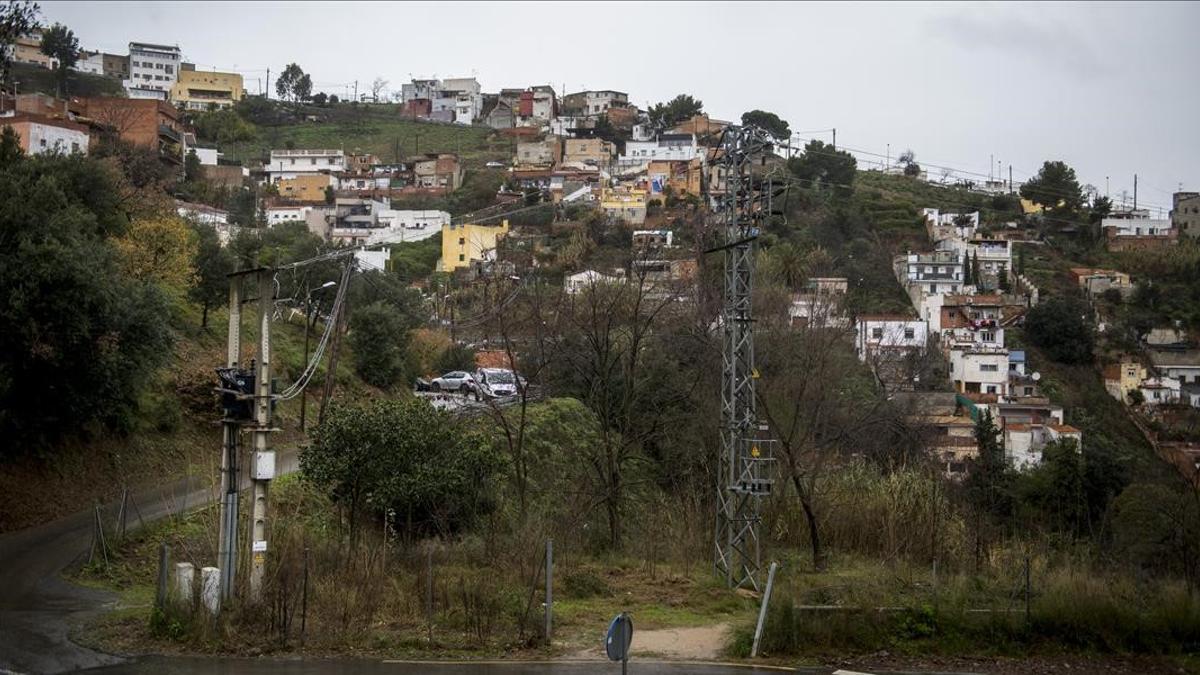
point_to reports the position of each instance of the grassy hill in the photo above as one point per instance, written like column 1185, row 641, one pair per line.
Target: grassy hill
column 31, row 78
column 370, row 128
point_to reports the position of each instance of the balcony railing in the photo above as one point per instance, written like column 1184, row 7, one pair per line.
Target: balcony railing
column 164, row 130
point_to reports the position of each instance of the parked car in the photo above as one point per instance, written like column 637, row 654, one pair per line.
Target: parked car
column 455, row 380
column 494, row 165
column 496, row 382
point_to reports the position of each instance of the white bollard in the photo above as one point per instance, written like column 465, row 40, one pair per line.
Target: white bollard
column 185, row 578
column 210, row 590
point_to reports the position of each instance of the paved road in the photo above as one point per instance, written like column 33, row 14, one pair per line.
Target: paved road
column 207, row 666
column 38, row 607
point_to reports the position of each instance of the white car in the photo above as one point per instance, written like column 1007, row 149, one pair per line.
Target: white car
column 494, row 165
column 496, row 382
column 455, row 380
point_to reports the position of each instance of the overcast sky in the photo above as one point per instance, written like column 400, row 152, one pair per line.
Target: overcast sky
column 1110, row 88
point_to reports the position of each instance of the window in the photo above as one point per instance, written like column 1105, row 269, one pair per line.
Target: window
column 461, row 257
column 991, row 389
column 909, row 333
column 74, row 147
column 987, row 336
column 1029, row 391
column 462, row 241
column 988, row 368
column 877, row 333
column 170, row 69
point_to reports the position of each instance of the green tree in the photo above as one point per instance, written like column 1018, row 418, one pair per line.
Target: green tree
column 823, row 166
column 191, row 166
column 455, row 357
column 17, row 18
column 909, row 160
column 402, row 456
column 768, row 122
column 1054, row 491
column 59, row 42
column 989, row 484
column 320, row 99
column 1158, row 528
column 214, row 263
column 82, row 338
column 1062, row 327
column 679, row 109
column 1055, row 188
column 10, row 147
column 379, row 340
column 289, row 86
column 224, row 126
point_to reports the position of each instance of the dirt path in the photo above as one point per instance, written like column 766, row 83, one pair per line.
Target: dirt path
column 701, row 643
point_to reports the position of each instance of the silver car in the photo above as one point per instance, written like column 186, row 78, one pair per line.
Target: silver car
column 455, row 380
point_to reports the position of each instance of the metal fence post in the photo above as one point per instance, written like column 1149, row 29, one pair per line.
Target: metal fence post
column 762, row 611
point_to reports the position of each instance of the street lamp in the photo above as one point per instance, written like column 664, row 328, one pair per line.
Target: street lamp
column 308, row 321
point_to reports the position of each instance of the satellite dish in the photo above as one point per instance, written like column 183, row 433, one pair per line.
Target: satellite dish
column 1036, row 376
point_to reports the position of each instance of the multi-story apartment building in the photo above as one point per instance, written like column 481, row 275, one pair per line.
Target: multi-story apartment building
column 28, row 49
column 204, row 90
column 153, row 70
column 931, row 273
column 1185, row 213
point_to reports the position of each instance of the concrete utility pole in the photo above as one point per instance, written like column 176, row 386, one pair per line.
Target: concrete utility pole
column 264, row 457
column 227, row 547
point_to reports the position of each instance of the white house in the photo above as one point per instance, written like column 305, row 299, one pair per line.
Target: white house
column 202, row 213
column 408, row 225
column 1024, row 442
column 40, row 134
column 1182, row 365
column 887, row 333
column 577, row 283
column 207, row 156
column 930, row 273
column 418, row 89
column 942, row 225
column 667, row 147
column 1160, row 390
column 1136, row 227
column 91, row 63
column 286, row 214
column 372, row 260
column 979, row 370
column 153, row 70
column 292, row 163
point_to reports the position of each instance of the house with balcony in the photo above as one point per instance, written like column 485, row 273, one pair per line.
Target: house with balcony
column 1021, row 382
column 206, row 90
column 143, row 122
column 934, row 273
column 1024, row 442
column 945, row 430
column 1180, row 364
column 624, row 205
column 304, row 161
column 970, row 320
column 667, row 147
column 651, row 241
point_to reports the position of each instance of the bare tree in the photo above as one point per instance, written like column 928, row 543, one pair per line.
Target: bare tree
column 377, row 88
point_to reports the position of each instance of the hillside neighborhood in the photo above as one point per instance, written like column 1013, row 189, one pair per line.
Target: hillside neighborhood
column 958, row 381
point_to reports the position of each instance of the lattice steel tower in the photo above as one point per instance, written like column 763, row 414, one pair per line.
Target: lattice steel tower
column 743, row 478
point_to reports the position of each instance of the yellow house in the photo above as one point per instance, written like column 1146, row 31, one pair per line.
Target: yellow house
column 465, row 242
column 305, row 187
column 1122, row 378
column 626, row 205
column 202, row 89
